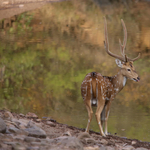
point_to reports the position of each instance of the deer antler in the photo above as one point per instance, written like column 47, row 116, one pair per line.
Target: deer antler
column 122, row 46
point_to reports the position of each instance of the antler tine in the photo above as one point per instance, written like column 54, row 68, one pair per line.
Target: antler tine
column 124, row 43
column 134, row 59
column 106, row 43
column 125, row 38
column 121, row 48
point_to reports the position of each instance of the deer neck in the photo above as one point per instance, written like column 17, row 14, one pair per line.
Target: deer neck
column 119, row 81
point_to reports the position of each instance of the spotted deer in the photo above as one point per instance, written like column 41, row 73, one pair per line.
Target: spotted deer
column 98, row 90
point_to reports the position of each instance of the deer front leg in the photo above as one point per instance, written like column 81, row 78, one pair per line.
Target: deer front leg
column 90, row 113
column 98, row 115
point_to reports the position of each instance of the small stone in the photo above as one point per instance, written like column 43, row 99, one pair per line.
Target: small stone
column 13, row 129
column 128, row 147
column 92, row 148
column 36, row 143
column 38, row 120
column 83, row 135
column 109, row 148
column 11, row 143
column 7, row 115
column 141, row 148
column 29, row 139
column 133, row 142
column 2, row 126
column 90, row 140
column 31, row 115
column 33, row 148
column 70, row 142
column 38, row 132
column 67, row 133
column 103, row 141
column 51, row 123
column 17, row 131
column 18, row 147
column 21, row 115
column 19, row 137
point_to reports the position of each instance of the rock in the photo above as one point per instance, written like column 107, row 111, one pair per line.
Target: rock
column 109, row 148
column 83, row 135
column 38, row 120
column 92, row 148
column 90, row 140
column 128, row 147
column 18, row 146
column 133, row 142
column 19, row 137
column 21, row 115
column 50, row 123
column 33, row 148
column 38, row 132
column 11, row 143
column 13, row 129
column 7, row 115
column 141, row 148
column 70, row 142
column 67, row 133
column 36, row 143
column 31, row 115
column 2, row 126
column 103, row 141
column 31, row 139
column 32, row 124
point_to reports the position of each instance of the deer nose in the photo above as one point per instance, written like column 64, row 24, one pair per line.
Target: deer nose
column 138, row 78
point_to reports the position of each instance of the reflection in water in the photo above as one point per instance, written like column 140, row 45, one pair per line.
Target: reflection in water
column 44, row 68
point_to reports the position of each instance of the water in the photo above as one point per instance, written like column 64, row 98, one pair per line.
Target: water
column 48, row 52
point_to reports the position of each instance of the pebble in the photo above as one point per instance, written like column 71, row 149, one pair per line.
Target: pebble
column 31, row 115
column 128, row 147
column 2, row 126
column 38, row 132
column 90, row 140
column 30, row 139
column 83, row 135
column 92, row 148
column 8, row 115
column 141, row 148
column 50, row 123
column 133, row 142
column 67, row 133
column 103, row 141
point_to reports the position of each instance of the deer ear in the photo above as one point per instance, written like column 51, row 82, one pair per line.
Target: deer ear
column 119, row 63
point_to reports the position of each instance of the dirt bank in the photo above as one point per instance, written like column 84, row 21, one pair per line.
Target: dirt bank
column 19, row 131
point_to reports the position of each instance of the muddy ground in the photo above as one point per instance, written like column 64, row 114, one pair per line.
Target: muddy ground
column 21, row 132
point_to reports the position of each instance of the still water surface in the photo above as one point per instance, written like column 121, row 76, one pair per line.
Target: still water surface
column 45, row 65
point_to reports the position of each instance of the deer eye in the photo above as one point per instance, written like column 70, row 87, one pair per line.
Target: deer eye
column 129, row 69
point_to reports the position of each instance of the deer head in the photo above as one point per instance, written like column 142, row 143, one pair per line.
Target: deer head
column 124, row 62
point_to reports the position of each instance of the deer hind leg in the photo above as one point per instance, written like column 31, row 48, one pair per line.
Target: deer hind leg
column 107, row 109
column 90, row 113
column 98, row 115
column 103, row 116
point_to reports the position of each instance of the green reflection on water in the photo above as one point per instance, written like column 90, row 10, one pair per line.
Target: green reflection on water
column 44, row 71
